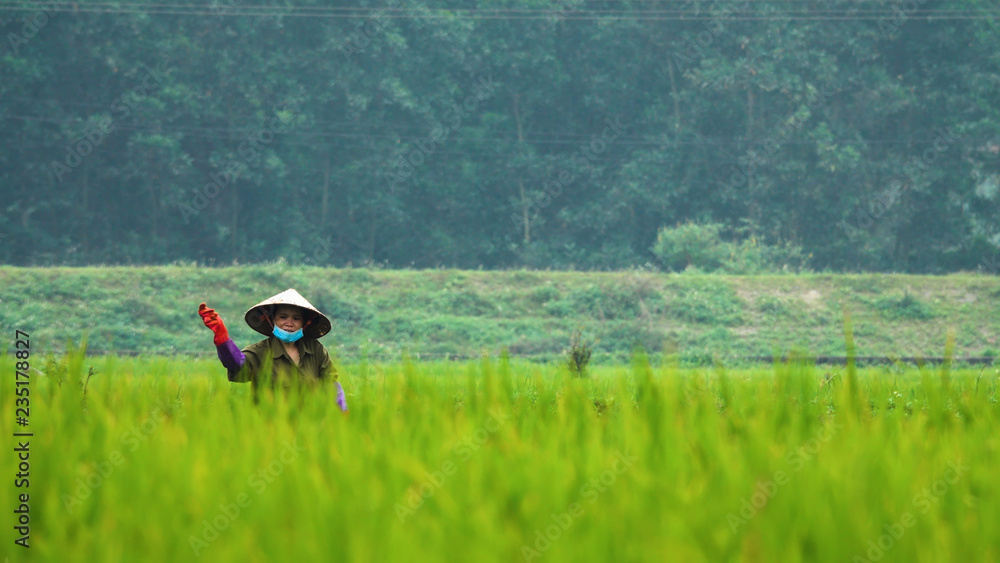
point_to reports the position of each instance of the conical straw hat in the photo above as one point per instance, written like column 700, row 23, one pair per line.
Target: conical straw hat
column 260, row 317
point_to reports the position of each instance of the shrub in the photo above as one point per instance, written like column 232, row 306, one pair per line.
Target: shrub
column 628, row 302
column 355, row 276
column 544, row 294
column 718, row 338
column 612, row 302
column 624, row 336
column 339, row 309
column 712, row 303
column 466, row 302
column 752, row 257
column 559, row 308
column 691, row 244
column 773, row 306
column 905, row 307
column 578, row 355
column 605, row 303
column 701, row 246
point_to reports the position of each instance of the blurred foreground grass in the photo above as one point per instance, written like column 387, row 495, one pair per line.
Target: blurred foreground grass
column 496, row 461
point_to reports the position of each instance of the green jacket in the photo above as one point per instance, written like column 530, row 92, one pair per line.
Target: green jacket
column 314, row 362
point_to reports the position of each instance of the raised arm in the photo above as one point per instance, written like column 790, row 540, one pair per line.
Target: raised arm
column 229, row 354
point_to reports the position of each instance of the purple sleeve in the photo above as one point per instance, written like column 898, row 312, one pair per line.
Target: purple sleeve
column 230, row 355
column 341, row 399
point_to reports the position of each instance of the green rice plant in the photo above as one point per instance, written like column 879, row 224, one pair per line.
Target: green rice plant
column 498, row 459
column 578, row 355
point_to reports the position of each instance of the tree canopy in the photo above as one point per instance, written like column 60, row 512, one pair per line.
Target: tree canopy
column 562, row 134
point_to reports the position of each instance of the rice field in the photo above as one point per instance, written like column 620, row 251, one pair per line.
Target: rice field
column 158, row 459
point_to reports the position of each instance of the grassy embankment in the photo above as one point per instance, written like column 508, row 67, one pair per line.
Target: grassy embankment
column 435, row 313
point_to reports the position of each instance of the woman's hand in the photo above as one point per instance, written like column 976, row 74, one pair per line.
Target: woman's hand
column 214, row 322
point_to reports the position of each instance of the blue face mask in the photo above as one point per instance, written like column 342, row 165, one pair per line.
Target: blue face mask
column 285, row 336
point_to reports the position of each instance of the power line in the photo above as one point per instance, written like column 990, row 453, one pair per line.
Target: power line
column 484, row 156
column 701, row 3
column 76, row 6
column 237, row 133
column 853, row 14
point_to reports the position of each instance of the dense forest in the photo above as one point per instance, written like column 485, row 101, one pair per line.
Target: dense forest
column 861, row 135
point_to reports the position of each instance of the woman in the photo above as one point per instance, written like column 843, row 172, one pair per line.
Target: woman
column 292, row 326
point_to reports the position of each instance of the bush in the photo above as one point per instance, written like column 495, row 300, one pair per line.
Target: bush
column 544, row 294
column 691, row 244
column 701, row 246
column 752, row 257
column 905, row 307
column 712, row 304
column 773, row 306
column 606, row 303
column 466, row 302
column 624, row 336
column 339, row 309
column 559, row 308
column 578, row 355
